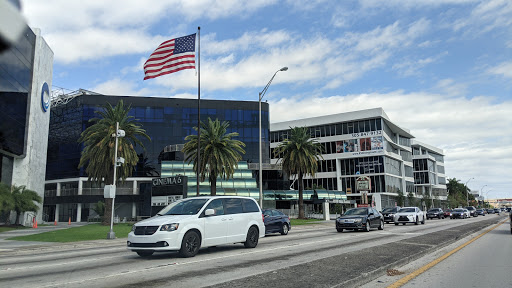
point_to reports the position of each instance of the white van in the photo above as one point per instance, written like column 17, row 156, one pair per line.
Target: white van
column 189, row 224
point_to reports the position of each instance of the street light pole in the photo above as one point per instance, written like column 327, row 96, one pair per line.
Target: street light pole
column 262, row 93
column 467, row 192
column 118, row 134
column 480, row 193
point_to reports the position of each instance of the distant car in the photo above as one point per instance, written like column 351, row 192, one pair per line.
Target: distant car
column 481, row 211
column 490, row 211
column 447, row 212
column 472, row 211
column 363, row 218
column 497, row 211
column 409, row 215
column 276, row 221
column 459, row 213
column 435, row 213
column 389, row 213
column 510, row 220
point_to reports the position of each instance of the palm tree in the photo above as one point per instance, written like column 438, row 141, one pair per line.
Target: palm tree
column 6, row 199
column 24, row 200
column 98, row 153
column 219, row 152
column 299, row 155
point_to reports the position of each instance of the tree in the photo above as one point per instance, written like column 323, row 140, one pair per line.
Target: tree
column 6, row 199
column 401, row 198
column 24, row 200
column 299, row 155
column 99, row 208
column 457, row 193
column 98, row 153
column 410, row 199
column 218, row 151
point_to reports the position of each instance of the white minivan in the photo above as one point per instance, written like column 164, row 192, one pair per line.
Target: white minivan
column 189, row 224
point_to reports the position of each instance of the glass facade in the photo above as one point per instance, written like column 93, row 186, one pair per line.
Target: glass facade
column 166, row 120
column 16, row 66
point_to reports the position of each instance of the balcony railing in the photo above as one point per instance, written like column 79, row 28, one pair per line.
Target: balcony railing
column 88, row 191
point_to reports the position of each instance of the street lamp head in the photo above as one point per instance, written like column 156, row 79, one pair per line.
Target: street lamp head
column 283, row 69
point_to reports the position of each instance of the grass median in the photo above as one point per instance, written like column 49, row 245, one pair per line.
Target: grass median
column 75, row 234
column 296, row 222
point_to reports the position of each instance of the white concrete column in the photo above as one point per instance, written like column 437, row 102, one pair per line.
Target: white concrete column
column 57, row 205
column 327, row 213
column 134, row 205
column 79, row 205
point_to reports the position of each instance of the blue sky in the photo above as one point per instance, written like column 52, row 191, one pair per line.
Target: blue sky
column 441, row 68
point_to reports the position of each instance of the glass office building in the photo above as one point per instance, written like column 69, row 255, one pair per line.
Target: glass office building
column 25, row 79
column 166, row 120
column 360, row 143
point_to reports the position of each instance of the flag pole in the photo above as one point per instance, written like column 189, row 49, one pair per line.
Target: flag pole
column 198, row 106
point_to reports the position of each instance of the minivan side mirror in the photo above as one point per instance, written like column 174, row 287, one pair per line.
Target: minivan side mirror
column 209, row 212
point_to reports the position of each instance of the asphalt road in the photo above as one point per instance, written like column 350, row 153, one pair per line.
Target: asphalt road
column 309, row 256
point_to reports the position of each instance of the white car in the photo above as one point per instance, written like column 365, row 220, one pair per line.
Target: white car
column 189, row 224
column 409, row 215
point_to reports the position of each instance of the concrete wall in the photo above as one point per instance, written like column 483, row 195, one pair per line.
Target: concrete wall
column 30, row 170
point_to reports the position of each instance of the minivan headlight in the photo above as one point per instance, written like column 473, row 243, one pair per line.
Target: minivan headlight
column 170, row 227
column 133, row 228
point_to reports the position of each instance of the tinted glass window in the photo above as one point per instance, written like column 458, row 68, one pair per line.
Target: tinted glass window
column 250, row 206
column 267, row 212
column 217, row 205
column 233, row 206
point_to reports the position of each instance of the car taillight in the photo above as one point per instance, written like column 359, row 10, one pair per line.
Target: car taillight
column 262, row 217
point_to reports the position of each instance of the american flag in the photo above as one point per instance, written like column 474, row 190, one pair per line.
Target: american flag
column 171, row 56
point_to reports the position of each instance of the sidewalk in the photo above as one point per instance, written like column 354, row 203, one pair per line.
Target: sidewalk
column 10, row 245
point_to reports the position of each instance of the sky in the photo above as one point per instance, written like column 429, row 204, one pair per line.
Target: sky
column 440, row 68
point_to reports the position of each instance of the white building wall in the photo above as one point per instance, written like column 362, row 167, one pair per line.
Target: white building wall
column 30, row 171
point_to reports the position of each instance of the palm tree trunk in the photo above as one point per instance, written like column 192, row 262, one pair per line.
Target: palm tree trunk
column 301, row 197
column 107, row 215
column 213, row 185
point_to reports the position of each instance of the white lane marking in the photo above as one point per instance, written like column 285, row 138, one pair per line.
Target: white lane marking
column 53, row 264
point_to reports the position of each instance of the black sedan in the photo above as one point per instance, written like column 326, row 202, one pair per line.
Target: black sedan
column 363, row 218
column 276, row 221
column 435, row 213
column 459, row 213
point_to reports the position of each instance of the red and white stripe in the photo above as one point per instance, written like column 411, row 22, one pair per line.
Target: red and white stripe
column 163, row 61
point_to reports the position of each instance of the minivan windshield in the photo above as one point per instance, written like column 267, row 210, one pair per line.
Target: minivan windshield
column 184, row 207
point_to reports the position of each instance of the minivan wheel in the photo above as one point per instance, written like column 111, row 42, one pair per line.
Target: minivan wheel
column 190, row 244
column 339, row 229
column 284, row 229
column 145, row 253
column 381, row 226
column 252, row 238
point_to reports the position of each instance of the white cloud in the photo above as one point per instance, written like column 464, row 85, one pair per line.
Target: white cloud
column 119, row 86
column 486, row 16
column 504, row 69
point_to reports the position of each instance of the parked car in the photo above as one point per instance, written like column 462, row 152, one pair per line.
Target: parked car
column 447, row 213
column 189, row 224
column 389, row 213
column 363, row 218
column 276, row 222
column 490, row 211
column 409, row 215
column 459, row 213
column 472, row 211
column 481, row 211
column 435, row 213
